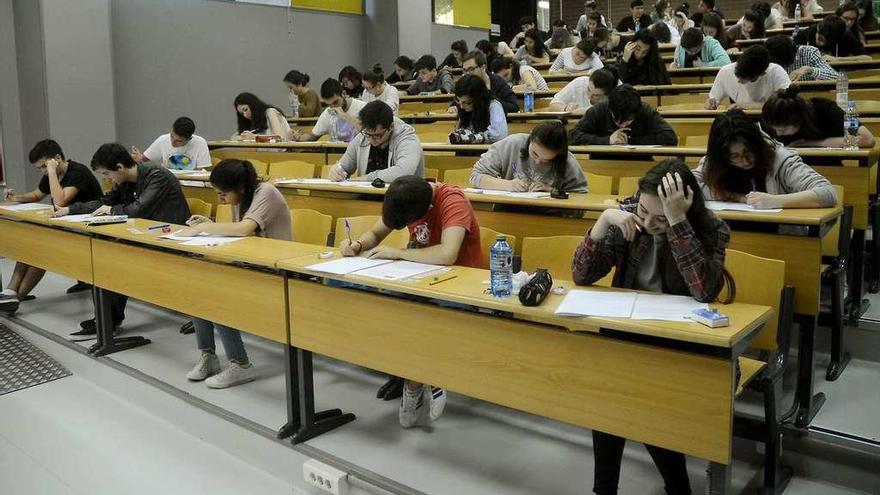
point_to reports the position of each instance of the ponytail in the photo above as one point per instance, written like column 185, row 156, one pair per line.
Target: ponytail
column 236, row 175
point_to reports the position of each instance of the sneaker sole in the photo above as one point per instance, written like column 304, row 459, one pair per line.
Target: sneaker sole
column 240, row 382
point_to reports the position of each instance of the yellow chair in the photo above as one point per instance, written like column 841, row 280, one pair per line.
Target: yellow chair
column 696, row 141
column 555, row 254
column 199, row 207
column 215, row 160
column 224, row 214
column 291, row 169
column 628, row 186
column 598, row 184
column 325, row 171
column 487, row 238
column 459, row 177
column 261, row 167
column 310, row 226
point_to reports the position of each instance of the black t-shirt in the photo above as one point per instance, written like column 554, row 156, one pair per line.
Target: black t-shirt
column 79, row 176
column 377, row 159
column 629, row 24
column 848, row 46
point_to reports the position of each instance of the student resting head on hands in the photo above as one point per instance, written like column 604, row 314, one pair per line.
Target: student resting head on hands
column 481, row 117
column 585, row 91
column 641, row 63
column 255, row 116
column 539, row 161
column 744, row 164
column 257, row 209
column 520, row 77
column 340, row 116
column 817, row 122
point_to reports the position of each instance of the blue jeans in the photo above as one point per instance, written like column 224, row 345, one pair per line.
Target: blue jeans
column 230, row 338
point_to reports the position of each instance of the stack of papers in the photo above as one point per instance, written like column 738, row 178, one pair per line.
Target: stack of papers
column 26, row 206
column 381, row 269
column 732, row 206
column 612, row 304
column 509, row 194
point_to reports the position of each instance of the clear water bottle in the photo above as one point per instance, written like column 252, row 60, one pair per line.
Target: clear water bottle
column 334, row 129
column 851, row 127
column 529, row 101
column 842, row 89
column 294, row 105
column 501, row 268
column 797, row 15
column 638, row 26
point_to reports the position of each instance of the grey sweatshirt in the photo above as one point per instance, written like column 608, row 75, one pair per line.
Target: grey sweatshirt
column 405, row 155
column 789, row 175
column 443, row 82
column 504, row 161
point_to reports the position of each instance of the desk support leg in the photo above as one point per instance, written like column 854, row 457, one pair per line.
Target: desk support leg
column 718, row 479
column 290, row 384
column 806, row 404
column 857, row 305
column 107, row 343
column 312, row 424
column 874, row 275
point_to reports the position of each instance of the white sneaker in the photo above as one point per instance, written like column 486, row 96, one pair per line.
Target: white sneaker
column 437, row 398
column 208, row 365
column 234, row 374
column 412, row 406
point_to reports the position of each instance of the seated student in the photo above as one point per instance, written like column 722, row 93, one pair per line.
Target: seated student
column 801, row 63
column 641, row 63
column 386, row 148
column 663, row 33
column 637, row 20
column 257, row 209
column 680, row 21
column 352, row 81
column 594, row 21
column 257, row 117
column 67, row 182
column 430, row 80
column 671, row 243
column 808, row 8
column 481, row 117
column 849, row 12
column 559, row 38
column 539, row 161
column 697, row 50
column 830, row 37
column 474, row 63
column 140, row 191
column 453, row 60
column 817, row 122
column 750, row 27
column 772, row 17
column 403, row 70
column 298, row 87
column 749, row 81
column 590, row 10
column 520, row 77
column 713, row 27
column 488, row 49
column 703, row 8
column 344, row 108
column 532, row 50
column 745, row 165
column 375, row 88
column 526, row 23
column 662, row 11
column 608, row 44
column 443, row 231
column 583, row 92
column 580, row 59
column 623, row 119
column 867, row 21
column 180, row 149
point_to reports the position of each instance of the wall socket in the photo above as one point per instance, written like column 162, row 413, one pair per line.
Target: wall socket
column 327, row 478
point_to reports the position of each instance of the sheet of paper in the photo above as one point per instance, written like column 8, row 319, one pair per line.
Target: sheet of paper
column 510, row 194
column 26, row 206
column 84, row 218
column 304, row 181
column 211, row 241
column 174, row 237
column 597, row 303
column 639, row 146
column 731, row 206
column 344, row 266
column 398, row 270
column 663, row 307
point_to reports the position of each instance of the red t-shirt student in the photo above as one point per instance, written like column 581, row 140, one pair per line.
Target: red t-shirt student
column 450, row 208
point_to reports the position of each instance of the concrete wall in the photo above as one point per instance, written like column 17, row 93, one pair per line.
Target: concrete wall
column 443, row 36
column 10, row 111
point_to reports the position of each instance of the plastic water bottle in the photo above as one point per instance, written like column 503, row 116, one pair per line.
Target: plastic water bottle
column 842, row 89
column 501, row 268
column 529, row 101
column 638, row 26
column 334, row 122
column 851, row 127
column 797, row 15
column 294, row 106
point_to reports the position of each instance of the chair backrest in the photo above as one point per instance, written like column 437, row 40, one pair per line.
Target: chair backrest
column 291, row 169
column 199, row 207
column 459, row 177
column 432, row 173
column 487, row 238
column 628, row 186
column 758, row 281
column 599, row 184
column 310, row 226
column 553, row 253
column 696, row 141
column 223, row 214
column 361, row 224
column 261, row 167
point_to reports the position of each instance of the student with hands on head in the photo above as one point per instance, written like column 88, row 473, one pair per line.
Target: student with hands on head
column 343, row 107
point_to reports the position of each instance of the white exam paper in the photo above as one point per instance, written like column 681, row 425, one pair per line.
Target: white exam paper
column 398, row 270
column 344, row 266
column 611, row 304
column 733, row 206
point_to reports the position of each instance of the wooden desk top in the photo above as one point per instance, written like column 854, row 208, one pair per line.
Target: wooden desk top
column 468, row 288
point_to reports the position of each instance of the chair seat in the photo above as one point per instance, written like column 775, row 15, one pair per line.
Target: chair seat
column 749, row 369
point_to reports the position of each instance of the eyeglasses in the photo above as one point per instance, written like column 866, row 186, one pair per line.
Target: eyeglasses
column 470, row 70
column 374, row 135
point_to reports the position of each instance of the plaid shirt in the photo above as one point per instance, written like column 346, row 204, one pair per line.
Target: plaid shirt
column 702, row 272
column 811, row 56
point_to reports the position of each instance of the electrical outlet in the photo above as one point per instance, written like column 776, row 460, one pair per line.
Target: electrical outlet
column 325, row 477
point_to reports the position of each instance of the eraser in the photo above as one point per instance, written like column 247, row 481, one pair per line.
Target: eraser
column 326, row 255
column 710, row 317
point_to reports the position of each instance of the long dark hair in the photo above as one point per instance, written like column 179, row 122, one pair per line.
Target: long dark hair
column 711, row 19
column 698, row 215
column 868, row 22
column 724, row 178
column 258, row 120
column 538, row 39
column 787, row 108
column 474, row 87
column 757, row 19
column 233, row 174
column 502, row 63
column 653, row 62
column 553, row 136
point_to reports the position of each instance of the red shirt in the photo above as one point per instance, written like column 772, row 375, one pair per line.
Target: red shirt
column 450, row 208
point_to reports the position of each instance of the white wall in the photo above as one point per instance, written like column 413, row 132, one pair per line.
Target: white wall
column 10, row 110
column 414, row 27
column 442, row 37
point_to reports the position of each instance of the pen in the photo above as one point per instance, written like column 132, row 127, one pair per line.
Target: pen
column 753, row 185
column 348, row 231
column 436, row 281
column 159, row 226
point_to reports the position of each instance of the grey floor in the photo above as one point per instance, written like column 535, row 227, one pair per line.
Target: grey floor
column 52, row 436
